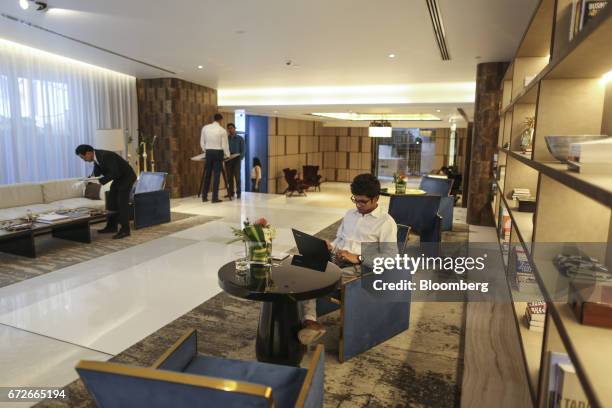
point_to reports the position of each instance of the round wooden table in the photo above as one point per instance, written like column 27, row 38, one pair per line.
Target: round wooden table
column 279, row 287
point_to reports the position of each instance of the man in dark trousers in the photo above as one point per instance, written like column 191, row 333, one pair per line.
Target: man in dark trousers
column 115, row 168
column 213, row 141
column 232, row 166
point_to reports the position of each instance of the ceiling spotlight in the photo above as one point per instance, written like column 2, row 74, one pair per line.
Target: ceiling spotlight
column 200, row 67
column 391, row 55
column 24, row 4
column 438, row 110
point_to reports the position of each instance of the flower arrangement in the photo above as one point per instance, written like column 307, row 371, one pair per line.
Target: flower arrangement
column 257, row 237
column 400, row 181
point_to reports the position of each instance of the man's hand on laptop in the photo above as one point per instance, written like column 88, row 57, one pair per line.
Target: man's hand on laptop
column 349, row 257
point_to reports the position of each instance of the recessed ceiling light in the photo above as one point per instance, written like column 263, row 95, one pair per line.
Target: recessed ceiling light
column 438, row 110
column 200, row 67
column 391, row 55
column 24, row 4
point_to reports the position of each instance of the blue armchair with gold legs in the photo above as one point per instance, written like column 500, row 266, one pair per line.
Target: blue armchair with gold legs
column 183, row 378
column 366, row 320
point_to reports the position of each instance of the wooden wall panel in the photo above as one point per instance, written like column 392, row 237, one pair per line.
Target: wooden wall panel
column 175, row 111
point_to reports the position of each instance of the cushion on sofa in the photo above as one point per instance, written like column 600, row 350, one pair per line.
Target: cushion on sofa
column 55, row 190
column 20, row 212
column 18, row 195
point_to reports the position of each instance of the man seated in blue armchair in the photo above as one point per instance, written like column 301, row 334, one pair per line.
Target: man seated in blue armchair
column 365, row 223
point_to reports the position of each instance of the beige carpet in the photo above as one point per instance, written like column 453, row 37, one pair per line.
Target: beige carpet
column 54, row 254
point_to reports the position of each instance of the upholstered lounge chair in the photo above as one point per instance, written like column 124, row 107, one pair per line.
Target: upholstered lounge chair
column 366, row 320
column 151, row 202
column 311, row 176
column 182, row 378
column 443, row 187
column 294, row 184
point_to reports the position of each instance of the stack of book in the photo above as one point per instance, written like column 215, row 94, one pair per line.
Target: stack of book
column 564, row 388
column 594, row 156
column 535, row 314
column 582, row 12
column 520, row 193
column 50, row 218
column 524, row 277
column 505, row 229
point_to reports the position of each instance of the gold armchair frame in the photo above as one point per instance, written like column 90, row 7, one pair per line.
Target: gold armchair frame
column 202, row 381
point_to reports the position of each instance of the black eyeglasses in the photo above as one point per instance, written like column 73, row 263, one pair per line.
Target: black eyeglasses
column 360, row 202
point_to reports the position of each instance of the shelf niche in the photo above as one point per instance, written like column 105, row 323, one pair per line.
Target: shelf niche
column 567, row 107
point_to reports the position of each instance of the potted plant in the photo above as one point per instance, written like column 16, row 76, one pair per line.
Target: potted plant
column 257, row 238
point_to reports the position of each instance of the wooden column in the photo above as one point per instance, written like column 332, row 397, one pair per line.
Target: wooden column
column 486, row 123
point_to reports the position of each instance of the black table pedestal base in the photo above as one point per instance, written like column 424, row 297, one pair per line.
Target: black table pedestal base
column 277, row 342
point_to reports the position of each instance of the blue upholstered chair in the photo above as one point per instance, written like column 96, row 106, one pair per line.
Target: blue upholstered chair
column 366, row 320
column 183, row 378
column 443, row 187
column 151, row 202
column 420, row 212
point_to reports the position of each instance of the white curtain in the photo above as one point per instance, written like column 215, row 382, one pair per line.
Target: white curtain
column 49, row 105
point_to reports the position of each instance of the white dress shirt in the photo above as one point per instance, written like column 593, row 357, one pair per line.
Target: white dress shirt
column 356, row 228
column 214, row 137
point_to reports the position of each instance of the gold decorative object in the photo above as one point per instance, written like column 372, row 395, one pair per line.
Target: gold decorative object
column 527, row 134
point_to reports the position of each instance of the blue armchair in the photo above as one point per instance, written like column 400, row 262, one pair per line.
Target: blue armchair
column 443, row 187
column 366, row 320
column 183, row 378
column 420, row 212
column 151, row 203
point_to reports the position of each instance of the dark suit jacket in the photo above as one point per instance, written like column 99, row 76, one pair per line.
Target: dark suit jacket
column 111, row 166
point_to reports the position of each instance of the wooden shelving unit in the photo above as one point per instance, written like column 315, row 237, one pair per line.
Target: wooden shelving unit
column 565, row 92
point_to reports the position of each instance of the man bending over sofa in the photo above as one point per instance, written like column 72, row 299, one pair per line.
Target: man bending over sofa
column 115, row 168
column 365, row 223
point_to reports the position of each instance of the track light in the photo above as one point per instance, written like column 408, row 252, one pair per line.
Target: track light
column 24, row 4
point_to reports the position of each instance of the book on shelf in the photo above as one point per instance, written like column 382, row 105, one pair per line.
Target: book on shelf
column 592, row 151
column 535, row 315
column 575, row 18
column 569, row 390
column 582, row 12
column 590, row 9
column 554, row 359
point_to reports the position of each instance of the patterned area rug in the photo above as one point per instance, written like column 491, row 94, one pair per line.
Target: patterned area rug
column 419, row 368
column 54, row 254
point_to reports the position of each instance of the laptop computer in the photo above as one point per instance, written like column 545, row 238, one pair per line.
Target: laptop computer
column 314, row 252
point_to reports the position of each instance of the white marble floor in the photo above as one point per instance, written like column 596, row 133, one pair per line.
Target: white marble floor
column 98, row 308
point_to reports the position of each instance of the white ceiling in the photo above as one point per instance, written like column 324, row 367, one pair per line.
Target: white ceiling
column 243, row 44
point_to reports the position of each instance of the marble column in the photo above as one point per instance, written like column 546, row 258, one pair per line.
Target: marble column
column 489, row 77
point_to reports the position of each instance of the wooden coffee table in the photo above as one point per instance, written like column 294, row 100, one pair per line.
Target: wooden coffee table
column 75, row 228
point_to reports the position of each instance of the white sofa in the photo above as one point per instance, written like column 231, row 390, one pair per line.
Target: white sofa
column 52, row 195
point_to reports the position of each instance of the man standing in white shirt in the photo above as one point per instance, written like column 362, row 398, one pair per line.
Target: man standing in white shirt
column 362, row 224
column 214, row 143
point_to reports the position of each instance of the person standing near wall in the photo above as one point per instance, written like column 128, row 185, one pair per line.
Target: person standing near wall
column 213, row 141
column 256, row 175
column 232, row 166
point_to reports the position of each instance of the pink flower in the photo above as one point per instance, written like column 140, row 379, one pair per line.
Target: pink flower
column 262, row 221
